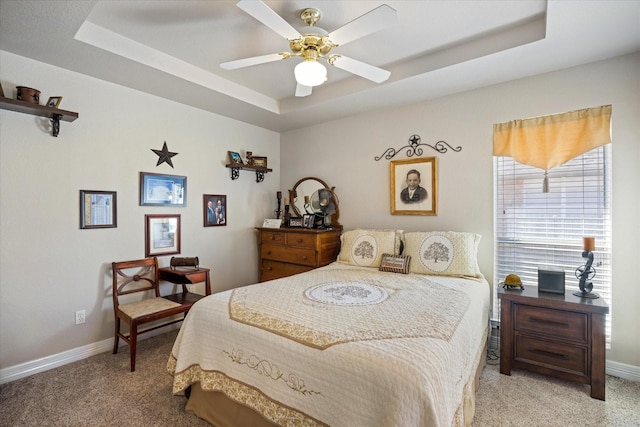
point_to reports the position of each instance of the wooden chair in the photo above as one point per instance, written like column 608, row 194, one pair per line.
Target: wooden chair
column 141, row 276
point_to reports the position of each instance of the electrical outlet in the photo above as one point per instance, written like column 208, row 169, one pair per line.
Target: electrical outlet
column 80, row 317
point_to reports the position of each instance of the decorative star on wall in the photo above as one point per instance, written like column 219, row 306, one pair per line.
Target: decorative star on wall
column 164, row 155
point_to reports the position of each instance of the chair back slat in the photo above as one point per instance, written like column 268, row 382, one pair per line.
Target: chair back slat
column 134, row 276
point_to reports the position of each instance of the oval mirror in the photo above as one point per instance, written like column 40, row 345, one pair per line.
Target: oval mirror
column 304, row 189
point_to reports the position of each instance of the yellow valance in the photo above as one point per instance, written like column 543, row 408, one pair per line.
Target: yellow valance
column 549, row 141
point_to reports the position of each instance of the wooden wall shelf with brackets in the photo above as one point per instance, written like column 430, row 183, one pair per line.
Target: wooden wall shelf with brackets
column 260, row 171
column 54, row 114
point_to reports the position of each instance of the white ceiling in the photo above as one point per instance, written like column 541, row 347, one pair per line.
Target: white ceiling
column 173, row 49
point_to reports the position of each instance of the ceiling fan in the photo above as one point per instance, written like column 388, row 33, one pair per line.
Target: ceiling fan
column 313, row 43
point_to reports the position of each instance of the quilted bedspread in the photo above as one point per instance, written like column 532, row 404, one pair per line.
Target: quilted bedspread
column 339, row 346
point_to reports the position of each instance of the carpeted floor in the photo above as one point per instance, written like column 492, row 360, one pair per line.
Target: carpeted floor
column 100, row 391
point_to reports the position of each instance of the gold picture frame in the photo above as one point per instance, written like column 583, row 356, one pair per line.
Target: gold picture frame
column 54, row 101
column 259, row 161
column 421, row 200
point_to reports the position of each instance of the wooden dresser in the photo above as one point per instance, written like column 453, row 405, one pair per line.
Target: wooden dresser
column 554, row 334
column 288, row 251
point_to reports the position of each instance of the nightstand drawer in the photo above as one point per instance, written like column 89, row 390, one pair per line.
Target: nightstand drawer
column 284, row 254
column 301, row 240
column 275, row 270
column 275, row 237
column 557, row 356
column 552, row 323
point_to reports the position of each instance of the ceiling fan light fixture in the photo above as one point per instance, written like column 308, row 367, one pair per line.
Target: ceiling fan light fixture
column 310, row 73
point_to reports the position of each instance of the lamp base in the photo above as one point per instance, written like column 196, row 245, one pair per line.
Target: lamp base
column 590, row 295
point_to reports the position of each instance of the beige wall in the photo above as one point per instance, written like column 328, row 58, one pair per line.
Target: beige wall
column 342, row 153
column 49, row 268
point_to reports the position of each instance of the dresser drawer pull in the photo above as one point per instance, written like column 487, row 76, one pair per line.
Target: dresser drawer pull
column 548, row 322
column 269, row 268
column 305, row 258
column 272, row 237
column 548, row 353
column 299, row 241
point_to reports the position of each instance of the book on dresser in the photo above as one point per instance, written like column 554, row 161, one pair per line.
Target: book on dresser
column 287, row 251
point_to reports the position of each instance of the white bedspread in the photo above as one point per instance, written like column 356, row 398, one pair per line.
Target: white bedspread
column 339, row 346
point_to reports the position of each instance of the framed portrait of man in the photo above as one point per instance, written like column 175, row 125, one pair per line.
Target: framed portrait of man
column 414, row 187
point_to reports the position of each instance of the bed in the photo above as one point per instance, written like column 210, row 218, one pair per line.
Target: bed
column 354, row 343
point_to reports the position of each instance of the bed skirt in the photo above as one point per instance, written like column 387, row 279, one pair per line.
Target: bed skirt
column 220, row 411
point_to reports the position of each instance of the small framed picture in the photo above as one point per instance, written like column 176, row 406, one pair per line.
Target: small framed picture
column 307, row 220
column 260, row 162
column 98, row 209
column 296, row 221
column 162, row 235
column 235, row 158
column 54, row 101
column 215, row 210
column 414, row 186
column 162, row 190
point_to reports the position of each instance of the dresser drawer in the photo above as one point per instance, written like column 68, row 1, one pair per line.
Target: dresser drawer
column 552, row 323
column 274, row 269
column 301, row 240
column 275, row 237
column 557, row 356
column 284, row 254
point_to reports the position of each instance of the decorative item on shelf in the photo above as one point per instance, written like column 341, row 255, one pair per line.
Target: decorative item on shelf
column 164, row 155
column 323, row 203
column 235, row 158
column 28, row 94
column 287, row 215
column 54, row 101
column 278, row 211
column 259, row 161
column 512, row 281
column 586, row 271
column 184, row 262
column 413, row 148
column 249, row 158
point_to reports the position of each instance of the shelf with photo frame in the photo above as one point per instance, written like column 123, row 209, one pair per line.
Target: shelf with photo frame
column 236, row 165
column 52, row 113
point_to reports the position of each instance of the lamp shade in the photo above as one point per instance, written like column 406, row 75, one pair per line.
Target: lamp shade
column 310, row 73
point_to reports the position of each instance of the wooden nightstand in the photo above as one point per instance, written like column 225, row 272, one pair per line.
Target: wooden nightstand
column 288, row 251
column 554, row 334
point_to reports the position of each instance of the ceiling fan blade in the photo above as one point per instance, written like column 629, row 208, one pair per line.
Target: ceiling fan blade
column 255, row 60
column 360, row 68
column 375, row 20
column 302, row 90
column 268, row 17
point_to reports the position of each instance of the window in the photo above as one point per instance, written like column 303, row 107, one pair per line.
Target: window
column 535, row 229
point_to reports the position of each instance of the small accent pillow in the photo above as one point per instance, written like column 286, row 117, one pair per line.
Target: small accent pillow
column 365, row 247
column 395, row 263
column 445, row 253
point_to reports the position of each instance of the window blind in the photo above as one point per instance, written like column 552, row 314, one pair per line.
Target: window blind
column 535, row 229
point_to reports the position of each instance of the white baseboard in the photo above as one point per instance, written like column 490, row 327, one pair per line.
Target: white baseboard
column 26, row 369
column 621, row 370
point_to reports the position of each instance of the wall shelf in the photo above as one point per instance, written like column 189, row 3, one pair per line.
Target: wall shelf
column 54, row 114
column 260, row 171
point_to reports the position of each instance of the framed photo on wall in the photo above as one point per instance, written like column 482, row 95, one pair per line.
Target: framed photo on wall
column 414, row 186
column 162, row 190
column 162, row 235
column 98, row 209
column 215, row 210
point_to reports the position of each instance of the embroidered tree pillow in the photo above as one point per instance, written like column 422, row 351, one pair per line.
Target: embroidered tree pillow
column 365, row 247
column 446, row 253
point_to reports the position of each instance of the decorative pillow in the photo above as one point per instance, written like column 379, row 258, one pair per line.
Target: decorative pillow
column 446, row 253
column 395, row 263
column 365, row 247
